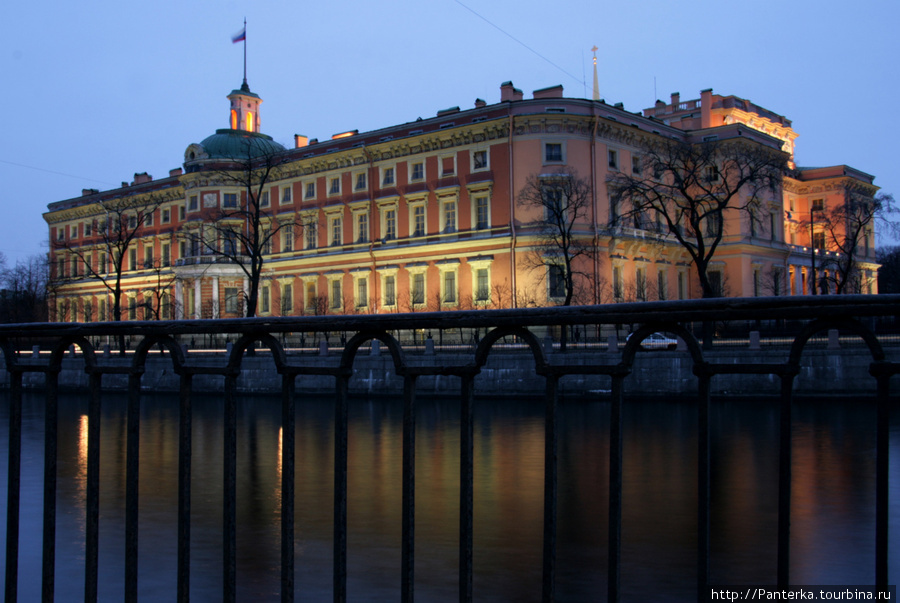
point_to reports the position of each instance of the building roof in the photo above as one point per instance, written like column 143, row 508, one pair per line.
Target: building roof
column 237, row 144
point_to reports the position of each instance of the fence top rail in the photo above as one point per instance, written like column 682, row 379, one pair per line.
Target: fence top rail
column 680, row 311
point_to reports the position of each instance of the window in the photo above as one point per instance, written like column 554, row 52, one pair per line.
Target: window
column 287, row 299
column 418, row 288
column 148, row 256
column 166, row 255
column 231, row 300
column 310, row 190
column 165, row 218
column 334, row 188
column 265, row 240
column 336, row 231
column 230, row 200
column 661, row 285
column 636, row 165
column 773, row 227
column 101, row 263
column 612, row 158
column 264, row 299
column 287, row 237
column 87, row 264
column 448, row 286
column 181, row 212
column 229, row 243
column 482, row 286
column 818, row 239
column 165, row 307
column 479, row 160
column 362, row 227
column 88, row 311
column 286, row 195
column 712, row 173
column 554, row 208
column 714, row 224
column 132, row 308
column 132, row 222
column 75, row 263
column 132, row 259
column 264, row 199
column 192, row 202
column 362, row 292
column 448, row 216
column 387, row 177
column 448, row 166
column 336, row 294
column 640, row 284
column 418, row 171
column 618, row 293
column 553, row 152
column 482, row 213
column 61, row 234
column 311, row 229
column 87, row 228
column 361, row 182
column 148, row 219
column 418, row 220
column 390, row 290
column 390, row 224
column 556, row 278
column 311, row 296
column 715, row 282
column 818, row 205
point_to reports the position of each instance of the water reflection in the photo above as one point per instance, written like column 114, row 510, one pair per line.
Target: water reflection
column 833, row 503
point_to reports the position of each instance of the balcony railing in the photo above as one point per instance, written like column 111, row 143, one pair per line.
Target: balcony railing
column 848, row 315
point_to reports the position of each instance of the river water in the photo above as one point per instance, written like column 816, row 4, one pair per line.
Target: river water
column 833, row 506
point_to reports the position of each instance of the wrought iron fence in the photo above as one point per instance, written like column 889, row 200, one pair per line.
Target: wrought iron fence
column 527, row 329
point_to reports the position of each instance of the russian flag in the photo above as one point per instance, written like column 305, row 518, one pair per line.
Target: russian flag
column 241, row 36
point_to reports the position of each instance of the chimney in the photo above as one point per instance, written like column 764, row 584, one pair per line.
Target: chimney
column 676, row 100
column 551, row 92
column 89, row 191
column 480, row 102
column 142, row 178
column 175, row 172
column 300, row 141
column 706, row 108
column 509, row 93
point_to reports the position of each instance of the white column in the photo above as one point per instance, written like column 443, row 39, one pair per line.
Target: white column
column 215, row 296
column 197, row 297
column 179, row 300
column 246, row 294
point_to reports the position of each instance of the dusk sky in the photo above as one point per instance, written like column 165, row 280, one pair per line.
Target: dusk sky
column 100, row 90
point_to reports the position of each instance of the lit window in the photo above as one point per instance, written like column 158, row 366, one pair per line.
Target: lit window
column 234, row 120
column 249, row 122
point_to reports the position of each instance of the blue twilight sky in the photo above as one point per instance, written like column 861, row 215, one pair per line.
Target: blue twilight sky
column 99, row 90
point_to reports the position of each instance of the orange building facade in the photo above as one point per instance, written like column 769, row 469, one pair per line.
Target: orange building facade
column 425, row 216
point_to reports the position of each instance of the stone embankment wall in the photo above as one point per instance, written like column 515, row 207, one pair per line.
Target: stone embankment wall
column 823, row 372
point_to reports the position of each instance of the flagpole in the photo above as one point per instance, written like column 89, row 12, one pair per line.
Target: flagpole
column 245, row 50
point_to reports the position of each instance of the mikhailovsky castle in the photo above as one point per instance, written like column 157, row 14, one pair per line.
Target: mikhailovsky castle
column 427, row 215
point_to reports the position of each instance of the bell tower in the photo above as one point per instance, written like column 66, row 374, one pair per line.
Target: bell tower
column 244, row 109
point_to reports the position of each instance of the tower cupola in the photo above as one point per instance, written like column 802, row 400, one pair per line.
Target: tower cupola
column 244, row 109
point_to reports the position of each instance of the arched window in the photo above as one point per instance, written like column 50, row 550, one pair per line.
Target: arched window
column 249, row 122
column 234, row 120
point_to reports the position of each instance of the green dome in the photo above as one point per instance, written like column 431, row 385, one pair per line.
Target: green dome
column 233, row 144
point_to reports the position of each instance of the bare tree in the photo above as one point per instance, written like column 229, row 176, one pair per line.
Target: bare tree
column 24, row 294
column 889, row 273
column 110, row 242
column 849, row 229
column 563, row 245
column 157, row 297
column 687, row 190
column 245, row 225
